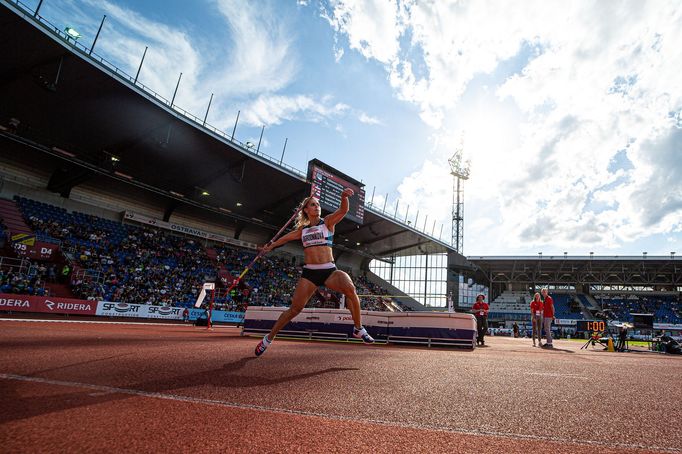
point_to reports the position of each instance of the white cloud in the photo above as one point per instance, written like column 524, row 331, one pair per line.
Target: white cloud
column 170, row 52
column 423, row 192
column 261, row 56
column 338, row 54
column 366, row 119
column 588, row 80
column 372, row 26
column 275, row 109
column 255, row 55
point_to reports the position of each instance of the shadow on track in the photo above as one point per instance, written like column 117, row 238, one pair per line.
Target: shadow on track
column 237, row 381
column 17, row 405
column 555, row 349
column 81, row 363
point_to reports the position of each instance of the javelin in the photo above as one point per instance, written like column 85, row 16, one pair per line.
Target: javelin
column 261, row 253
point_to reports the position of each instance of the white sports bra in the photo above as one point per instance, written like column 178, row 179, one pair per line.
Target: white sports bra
column 317, row 235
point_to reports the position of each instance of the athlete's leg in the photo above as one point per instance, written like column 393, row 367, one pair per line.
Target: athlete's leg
column 339, row 281
column 304, row 290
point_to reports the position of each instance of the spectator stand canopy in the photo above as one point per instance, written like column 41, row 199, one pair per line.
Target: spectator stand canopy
column 643, row 273
column 73, row 119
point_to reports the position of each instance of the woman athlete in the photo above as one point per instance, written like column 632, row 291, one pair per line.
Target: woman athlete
column 319, row 269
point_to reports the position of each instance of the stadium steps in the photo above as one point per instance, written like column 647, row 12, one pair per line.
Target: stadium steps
column 11, row 216
column 406, row 300
column 587, row 315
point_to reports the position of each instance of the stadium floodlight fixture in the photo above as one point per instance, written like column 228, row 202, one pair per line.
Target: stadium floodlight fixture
column 458, row 167
column 250, row 145
column 239, row 204
column 357, row 244
column 204, row 192
column 72, row 33
column 115, row 159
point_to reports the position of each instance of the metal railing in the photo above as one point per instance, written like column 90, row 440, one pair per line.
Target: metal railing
column 19, row 265
column 89, row 275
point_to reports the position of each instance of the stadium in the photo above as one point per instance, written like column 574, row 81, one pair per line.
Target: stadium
column 133, row 290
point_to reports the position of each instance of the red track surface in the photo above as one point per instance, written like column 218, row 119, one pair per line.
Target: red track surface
column 153, row 388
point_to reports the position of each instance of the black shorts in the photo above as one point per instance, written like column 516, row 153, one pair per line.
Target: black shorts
column 317, row 277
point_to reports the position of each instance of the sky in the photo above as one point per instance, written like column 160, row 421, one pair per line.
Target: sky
column 568, row 113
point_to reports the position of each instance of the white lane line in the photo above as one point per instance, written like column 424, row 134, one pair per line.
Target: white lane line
column 558, row 375
column 404, row 425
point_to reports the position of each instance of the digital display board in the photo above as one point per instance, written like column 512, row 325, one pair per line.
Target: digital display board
column 327, row 186
column 591, row 326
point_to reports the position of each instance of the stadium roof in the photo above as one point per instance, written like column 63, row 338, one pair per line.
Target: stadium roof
column 83, row 122
column 659, row 272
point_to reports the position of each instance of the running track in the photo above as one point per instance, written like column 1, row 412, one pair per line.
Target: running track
column 92, row 387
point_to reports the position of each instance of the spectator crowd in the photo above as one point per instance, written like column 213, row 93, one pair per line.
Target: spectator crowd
column 119, row 262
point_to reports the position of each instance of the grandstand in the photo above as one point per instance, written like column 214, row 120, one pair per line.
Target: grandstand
column 81, row 186
column 116, row 175
column 123, row 262
column 583, row 288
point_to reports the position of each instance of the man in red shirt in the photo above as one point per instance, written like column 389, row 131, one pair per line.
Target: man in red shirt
column 480, row 310
column 548, row 316
column 536, row 318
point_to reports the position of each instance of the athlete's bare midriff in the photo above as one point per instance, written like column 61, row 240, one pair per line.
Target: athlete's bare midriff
column 316, row 255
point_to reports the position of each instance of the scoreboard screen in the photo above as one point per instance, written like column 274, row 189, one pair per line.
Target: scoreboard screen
column 327, row 186
column 591, row 326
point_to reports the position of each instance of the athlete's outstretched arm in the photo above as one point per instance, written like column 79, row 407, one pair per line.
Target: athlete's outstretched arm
column 334, row 218
column 295, row 235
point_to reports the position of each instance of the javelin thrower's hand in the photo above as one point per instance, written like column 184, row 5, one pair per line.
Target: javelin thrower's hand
column 267, row 247
column 348, row 192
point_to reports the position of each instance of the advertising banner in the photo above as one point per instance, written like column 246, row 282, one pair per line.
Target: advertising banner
column 54, row 305
column 109, row 309
column 23, row 238
column 142, row 219
column 228, row 317
column 164, row 312
column 218, row 316
column 24, row 303
column 668, row 326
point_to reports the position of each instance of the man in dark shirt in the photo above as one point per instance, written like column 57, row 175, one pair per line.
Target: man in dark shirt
column 622, row 338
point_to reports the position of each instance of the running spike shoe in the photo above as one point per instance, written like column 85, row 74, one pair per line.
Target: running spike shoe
column 362, row 334
column 262, row 345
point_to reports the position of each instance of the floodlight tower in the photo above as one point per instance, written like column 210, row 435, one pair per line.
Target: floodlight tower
column 459, row 171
